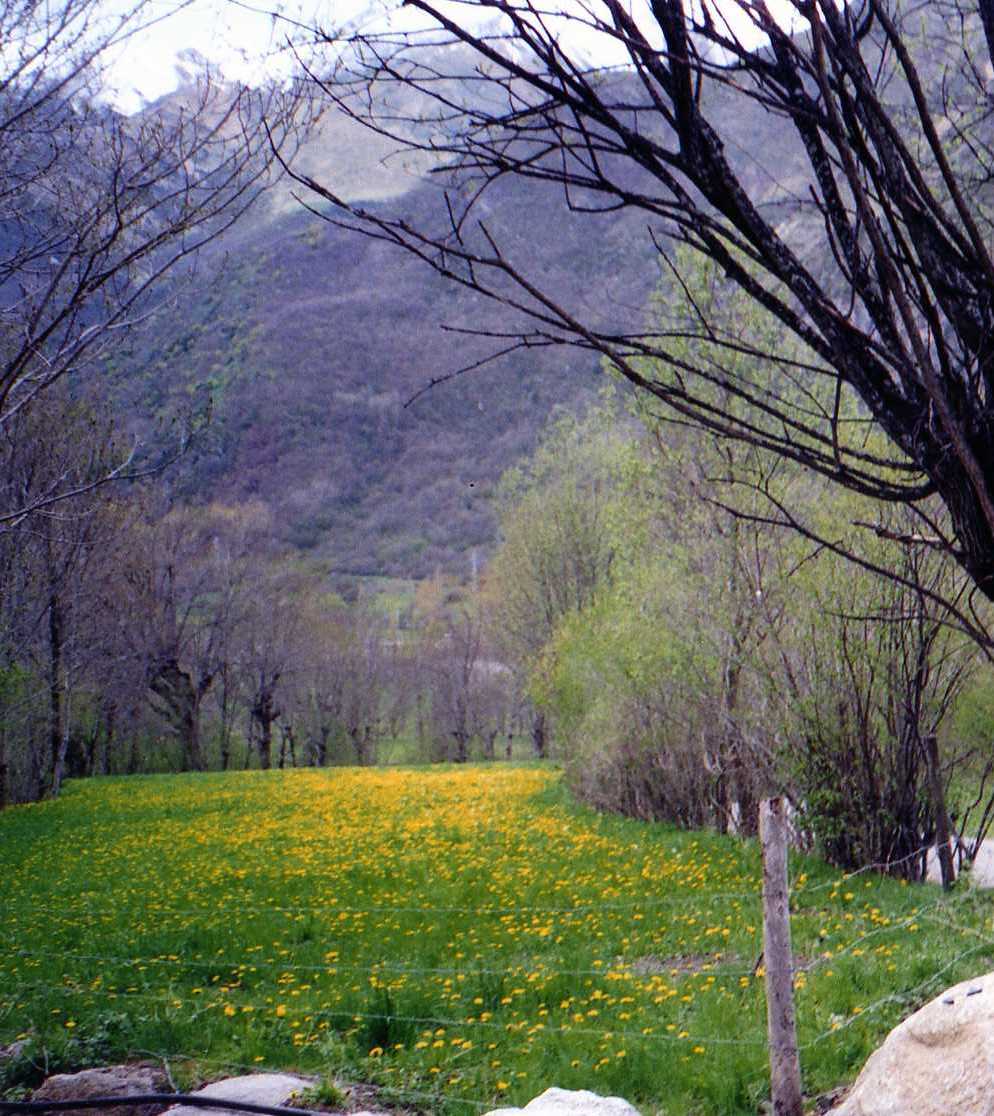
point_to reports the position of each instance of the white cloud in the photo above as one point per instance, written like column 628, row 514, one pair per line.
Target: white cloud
column 245, row 39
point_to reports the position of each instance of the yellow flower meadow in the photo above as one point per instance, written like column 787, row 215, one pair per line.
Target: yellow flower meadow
column 452, row 934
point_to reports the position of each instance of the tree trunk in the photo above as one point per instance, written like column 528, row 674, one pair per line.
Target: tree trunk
column 57, row 734
column 109, row 735
column 722, row 799
column 193, row 754
column 539, row 735
column 490, row 744
column 174, row 687
column 225, row 723
column 462, row 746
column 940, row 816
column 264, row 744
column 134, row 758
column 362, row 739
column 89, row 745
column 265, row 714
column 287, row 746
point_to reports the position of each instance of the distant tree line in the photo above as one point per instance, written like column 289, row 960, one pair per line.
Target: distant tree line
column 138, row 637
column 638, row 622
column 768, row 571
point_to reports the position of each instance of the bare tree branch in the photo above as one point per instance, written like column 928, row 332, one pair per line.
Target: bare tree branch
column 874, row 261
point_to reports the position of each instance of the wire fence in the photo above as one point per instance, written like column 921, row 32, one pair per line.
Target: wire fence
column 109, row 980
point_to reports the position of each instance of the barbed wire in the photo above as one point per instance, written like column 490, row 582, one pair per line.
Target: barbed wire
column 972, row 931
column 940, row 913
column 891, row 927
column 317, row 1012
column 645, row 902
column 923, row 914
column 650, row 1035
column 905, row 996
column 882, row 867
column 333, row 909
column 617, row 969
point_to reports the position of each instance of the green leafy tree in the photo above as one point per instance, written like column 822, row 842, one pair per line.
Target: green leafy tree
column 557, row 546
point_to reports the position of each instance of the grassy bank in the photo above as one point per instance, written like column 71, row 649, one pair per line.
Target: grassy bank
column 464, row 938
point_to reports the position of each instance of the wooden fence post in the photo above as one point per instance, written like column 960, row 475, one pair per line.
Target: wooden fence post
column 785, row 1067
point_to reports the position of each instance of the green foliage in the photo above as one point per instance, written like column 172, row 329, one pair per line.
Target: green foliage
column 327, row 1092
column 558, row 519
column 736, row 647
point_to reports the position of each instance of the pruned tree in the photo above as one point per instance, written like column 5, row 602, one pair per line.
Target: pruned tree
column 187, row 590
column 356, row 690
column 468, row 694
column 864, row 237
column 268, row 653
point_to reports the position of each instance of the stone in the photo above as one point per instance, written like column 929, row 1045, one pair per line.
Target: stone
column 253, row 1088
column 566, row 1102
column 13, row 1051
column 109, row 1081
column 937, row 1062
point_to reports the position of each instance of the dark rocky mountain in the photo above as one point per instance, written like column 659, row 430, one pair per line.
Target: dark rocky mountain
column 311, row 342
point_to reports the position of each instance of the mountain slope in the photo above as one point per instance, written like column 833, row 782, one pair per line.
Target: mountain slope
column 315, row 345
column 312, row 342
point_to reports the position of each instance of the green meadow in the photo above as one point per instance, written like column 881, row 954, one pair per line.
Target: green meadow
column 462, row 938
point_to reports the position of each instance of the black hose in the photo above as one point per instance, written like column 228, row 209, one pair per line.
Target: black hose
column 194, row 1100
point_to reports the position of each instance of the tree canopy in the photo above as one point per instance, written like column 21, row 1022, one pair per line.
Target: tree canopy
column 836, row 170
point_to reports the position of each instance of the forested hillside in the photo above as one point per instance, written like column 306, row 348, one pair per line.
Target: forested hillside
column 311, row 343
column 315, row 344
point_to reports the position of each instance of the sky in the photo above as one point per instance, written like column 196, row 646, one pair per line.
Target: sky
column 236, row 35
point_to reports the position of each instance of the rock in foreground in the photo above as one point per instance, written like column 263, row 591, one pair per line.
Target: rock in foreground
column 938, row 1062
column 564, row 1102
column 254, row 1088
column 110, row 1081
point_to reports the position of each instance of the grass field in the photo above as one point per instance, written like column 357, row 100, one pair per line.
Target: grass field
column 462, row 938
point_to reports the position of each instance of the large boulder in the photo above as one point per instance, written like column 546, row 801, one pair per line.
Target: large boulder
column 565, row 1102
column 109, row 1081
column 938, row 1062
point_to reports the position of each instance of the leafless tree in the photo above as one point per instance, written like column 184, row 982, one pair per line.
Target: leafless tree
column 469, row 694
column 355, row 688
column 267, row 654
column 96, row 208
column 53, row 571
column 186, row 598
column 872, row 253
